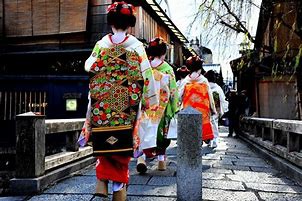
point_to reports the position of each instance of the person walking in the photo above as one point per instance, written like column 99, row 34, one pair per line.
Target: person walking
column 221, row 104
column 168, row 106
column 121, row 79
column 233, row 113
column 195, row 91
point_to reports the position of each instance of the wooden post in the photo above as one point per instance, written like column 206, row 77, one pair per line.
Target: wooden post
column 189, row 156
column 30, row 146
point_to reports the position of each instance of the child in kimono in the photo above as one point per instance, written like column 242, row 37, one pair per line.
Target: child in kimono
column 168, row 105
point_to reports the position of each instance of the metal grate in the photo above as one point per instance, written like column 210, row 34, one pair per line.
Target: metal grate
column 13, row 103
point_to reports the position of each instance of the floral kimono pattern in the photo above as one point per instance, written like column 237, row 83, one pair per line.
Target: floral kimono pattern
column 168, row 104
column 121, row 79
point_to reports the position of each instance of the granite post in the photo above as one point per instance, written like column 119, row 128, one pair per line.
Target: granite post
column 30, row 146
column 189, row 155
column 72, row 141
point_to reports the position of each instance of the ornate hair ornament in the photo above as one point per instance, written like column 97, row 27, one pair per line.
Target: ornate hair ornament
column 192, row 59
column 156, row 41
column 127, row 9
column 183, row 69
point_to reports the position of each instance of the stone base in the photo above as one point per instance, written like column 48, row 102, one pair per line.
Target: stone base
column 279, row 163
column 28, row 186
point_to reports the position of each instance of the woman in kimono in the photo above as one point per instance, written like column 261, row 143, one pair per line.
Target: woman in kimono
column 195, row 91
column 168, row 105
column 121, row 80
column 221, row 104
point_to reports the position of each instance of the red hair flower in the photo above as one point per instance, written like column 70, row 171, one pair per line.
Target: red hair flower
column 127, row 9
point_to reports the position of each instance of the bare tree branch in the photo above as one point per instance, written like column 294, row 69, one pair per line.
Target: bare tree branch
column 242, row 28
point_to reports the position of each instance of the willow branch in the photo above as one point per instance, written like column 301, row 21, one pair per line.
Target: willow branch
column 243, row 28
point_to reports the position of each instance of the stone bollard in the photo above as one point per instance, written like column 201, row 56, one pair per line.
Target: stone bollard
column 189, row 156
column 30, row 154
column 30, row 146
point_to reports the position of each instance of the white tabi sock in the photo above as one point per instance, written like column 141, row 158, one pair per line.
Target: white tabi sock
column 161, row 157
column 117, row 186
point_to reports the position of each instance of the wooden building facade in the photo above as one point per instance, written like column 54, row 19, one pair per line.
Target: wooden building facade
column 43, row 47
column 272, row 72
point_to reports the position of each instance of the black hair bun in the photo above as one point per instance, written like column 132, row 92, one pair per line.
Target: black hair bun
column 157, row 47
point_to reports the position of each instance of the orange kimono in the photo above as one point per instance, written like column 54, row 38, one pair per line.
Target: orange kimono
column 197, row 94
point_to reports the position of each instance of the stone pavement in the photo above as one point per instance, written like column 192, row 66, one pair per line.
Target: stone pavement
column 232, row 171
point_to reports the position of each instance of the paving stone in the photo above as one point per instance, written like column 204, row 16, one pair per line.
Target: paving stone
column 138, row 190
column 206, row 167
column 216, row 194
column 224, row 185
column 172, row 151
column 248, row 158
column 133, row 171
column 279, row 197
column 231, row 167
column 132, row 164
column 223, row 162
column 216, row 170
column 221, row 148
column 169, row 172
column 162, row 181
column 252, row 163
column 222, row 179
column 207, row 150
column 139, row 198
column 90, row 172
column 274, row 188
column 15, row 198
column 241, row 151
column 209, row 162
column 211, row 157
column 238, row 154
column 215, row 176
column 228, row 157
column 139, row 179
column 266, row 170
column 98, row 198
column 51, row 197
column 79, row 185
column 240, row 146
column 258, row 177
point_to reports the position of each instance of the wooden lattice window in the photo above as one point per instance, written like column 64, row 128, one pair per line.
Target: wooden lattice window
column 44, row 17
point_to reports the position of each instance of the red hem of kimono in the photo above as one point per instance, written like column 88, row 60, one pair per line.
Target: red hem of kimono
column 113, row 168
column 207, row 132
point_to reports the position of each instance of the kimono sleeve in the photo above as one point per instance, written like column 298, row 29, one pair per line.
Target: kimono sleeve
column 150, row 95
column 93, row 57
column 212, row 103
column 174, row 96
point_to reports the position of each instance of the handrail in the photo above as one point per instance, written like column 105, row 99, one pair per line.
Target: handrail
column 280, row 136
column 63, row 125
column 34, row 170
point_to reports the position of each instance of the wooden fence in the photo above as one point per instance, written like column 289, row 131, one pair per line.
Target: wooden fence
column 13, row 103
